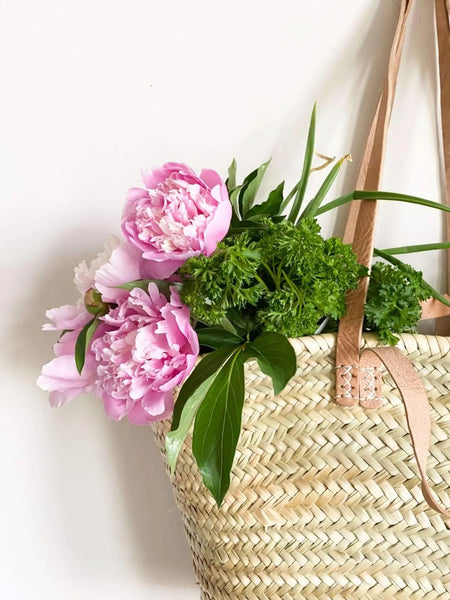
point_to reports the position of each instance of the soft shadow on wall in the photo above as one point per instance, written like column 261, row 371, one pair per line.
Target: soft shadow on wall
column 88, row 454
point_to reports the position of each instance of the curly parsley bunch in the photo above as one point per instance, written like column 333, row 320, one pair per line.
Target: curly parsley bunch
column 280, row 277
column 393, row 300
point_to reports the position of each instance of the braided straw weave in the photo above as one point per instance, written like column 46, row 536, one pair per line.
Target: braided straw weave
column 325, row 501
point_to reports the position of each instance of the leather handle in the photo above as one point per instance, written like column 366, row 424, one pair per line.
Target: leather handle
column 417, row 409
column 360, row 229
column 361, row 224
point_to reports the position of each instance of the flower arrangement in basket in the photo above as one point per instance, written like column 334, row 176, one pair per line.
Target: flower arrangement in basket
column 205, row 268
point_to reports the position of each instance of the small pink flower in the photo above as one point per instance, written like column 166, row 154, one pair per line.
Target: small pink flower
column 149, row 348
column 177, row 216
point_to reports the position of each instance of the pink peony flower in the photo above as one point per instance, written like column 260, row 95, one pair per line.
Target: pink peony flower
column 60, row 376
column 177, row 216
column 149, row 348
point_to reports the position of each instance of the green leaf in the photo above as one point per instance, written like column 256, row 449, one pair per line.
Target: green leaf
column 271, row 207
column 83, row 341
column 303, row 183
column 215, row 337
column 276, row 358
column 249, row 189
column 396, row 261
column 289, row 197
column 228, row 325
column 242, row 226
column 235, row 215
column 360, row 195
column 205, row 368
column 417, row 248
column 231, row 181
column 218, row 425
column 311, row 209
column 175, row 438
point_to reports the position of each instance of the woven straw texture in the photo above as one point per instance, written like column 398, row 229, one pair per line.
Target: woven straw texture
column 325, row 501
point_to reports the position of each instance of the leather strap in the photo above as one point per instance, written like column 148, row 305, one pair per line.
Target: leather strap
column 417, row 408
column 359, row 377
column 370, row 149
column 361, row 222
column 361, row 225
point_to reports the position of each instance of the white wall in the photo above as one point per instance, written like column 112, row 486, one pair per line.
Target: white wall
column 93, row 91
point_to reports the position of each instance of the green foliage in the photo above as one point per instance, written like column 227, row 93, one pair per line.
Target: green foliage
column 270, row 207
column 310, row 277
column 276, row 358
column 209, row 365
column 218, row 425
column 249, row 189
column 282, row 277
column 393, row 300
column 307, row 161
column 83, row 340
column 231, row 180
column 225, row 280
column 176, row 437
column 213, row 397
column 215, row 337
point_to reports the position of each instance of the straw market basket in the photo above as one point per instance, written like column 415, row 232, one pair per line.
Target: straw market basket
column 325, row 501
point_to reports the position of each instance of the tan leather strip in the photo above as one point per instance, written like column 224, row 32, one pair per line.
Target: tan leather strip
column 350, row 327
column 417, row 409
column 394, row 62
column 433, row 309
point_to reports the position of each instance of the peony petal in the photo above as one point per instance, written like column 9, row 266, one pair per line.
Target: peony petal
column 211, row 178
column 157, row 404
column 160, row 269
column 115, row 408
column 68, row 316
column 218, row 227
column 60, row 376
column 84, row 275
column 123, row 266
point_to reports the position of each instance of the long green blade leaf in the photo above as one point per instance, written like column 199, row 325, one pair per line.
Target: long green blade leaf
column 289, row 196
column 175, row 438
column 417, row 248
column 359, row 195
column 82, row 344
column 303, row 183
column 276, row 358
column 206, row 367
column 311, row 209
column 217, row 426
